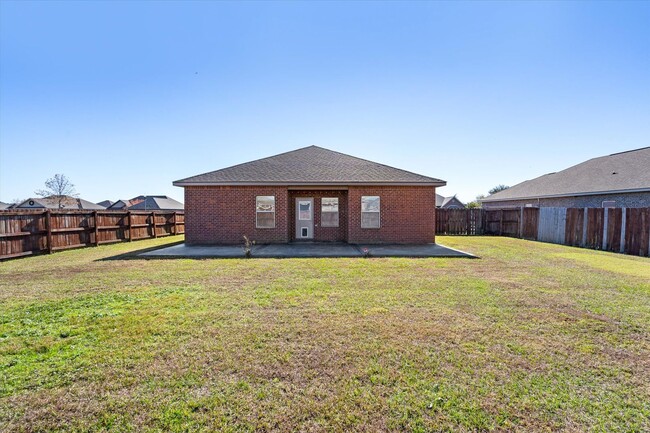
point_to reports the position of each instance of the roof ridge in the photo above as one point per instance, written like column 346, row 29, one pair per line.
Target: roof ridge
column 627, row 151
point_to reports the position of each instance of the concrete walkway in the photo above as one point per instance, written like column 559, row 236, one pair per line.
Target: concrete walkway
column 311, row 249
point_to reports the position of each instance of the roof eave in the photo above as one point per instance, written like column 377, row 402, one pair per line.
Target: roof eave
column 573, row 194
column 432, row 183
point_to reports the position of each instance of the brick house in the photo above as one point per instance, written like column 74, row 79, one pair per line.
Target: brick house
column 310, row 194
column 616, row 180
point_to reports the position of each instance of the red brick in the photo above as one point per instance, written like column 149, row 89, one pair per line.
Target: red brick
column 224, row 214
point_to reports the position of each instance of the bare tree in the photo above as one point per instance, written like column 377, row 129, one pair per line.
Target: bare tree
column 58, row 187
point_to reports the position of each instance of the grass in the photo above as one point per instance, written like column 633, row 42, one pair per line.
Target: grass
column 532, row 337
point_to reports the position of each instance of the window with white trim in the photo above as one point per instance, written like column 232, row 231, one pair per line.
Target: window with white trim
column 370, row 210
column 329, row 212
column 265, row 210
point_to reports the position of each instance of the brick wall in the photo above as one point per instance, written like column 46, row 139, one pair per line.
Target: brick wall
column 407, row 215
column 634, row 199
column 223, row 214
column 321, row 234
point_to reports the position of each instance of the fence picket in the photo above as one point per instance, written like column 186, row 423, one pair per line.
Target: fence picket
column 35, row 232
column 613, row 229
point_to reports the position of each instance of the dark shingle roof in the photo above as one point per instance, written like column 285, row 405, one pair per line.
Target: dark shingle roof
column 148, row 202
column 620, row 172
column 158, row 202
column 442, row 201
column 54, row 203
column 309, row 165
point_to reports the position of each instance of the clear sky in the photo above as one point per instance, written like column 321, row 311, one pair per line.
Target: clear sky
column 126, row 97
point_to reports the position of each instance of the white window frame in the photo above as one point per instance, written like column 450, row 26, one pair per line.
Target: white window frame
column 257, row 211
column 378, row 211
column 328, row 211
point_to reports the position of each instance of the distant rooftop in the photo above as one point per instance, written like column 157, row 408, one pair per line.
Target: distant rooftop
column 53, row 202
column 148, row 202
column 627, row 171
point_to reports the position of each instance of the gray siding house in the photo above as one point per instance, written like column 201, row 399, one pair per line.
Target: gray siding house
column 616, row 180
column 448, row 202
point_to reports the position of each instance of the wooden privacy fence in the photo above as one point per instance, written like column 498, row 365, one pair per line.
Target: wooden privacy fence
column 624, row 230
column 27, row 232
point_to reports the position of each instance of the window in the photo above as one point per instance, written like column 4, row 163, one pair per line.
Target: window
column 304, row 210
column 265, row 209
column 329, row 212
column 370, row 212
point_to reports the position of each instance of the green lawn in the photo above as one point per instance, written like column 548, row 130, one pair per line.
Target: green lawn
column 532, row 337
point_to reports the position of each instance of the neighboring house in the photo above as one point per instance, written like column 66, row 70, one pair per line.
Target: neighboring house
column 158, row 202
column 448, row 202
column 148, row 202
column 4, row 206
column 105, row 203
column 310, row 194
column 617, row 180
column 125, row 204
column 54, row 203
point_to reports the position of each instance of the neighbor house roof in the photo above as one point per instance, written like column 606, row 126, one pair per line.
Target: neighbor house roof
column 105, row 203
column 158, row 202
column 148, row 202
column 311, row 165
column 125, row 204
column 443, row 201
column 616, row 173
column 4, row 205
column 53, row 203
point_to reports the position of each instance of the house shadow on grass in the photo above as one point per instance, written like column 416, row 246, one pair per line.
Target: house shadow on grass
column 180, row 250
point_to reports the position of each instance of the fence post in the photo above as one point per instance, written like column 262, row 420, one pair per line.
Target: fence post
column 605, row 224
column 175, row 227
column 623, row 220
column 153, row 220
column 583, row 244
column 128, row 216
column 483, row 220
column 501, row 222
column 96, row 228
column 48, row 227
column 521, row 222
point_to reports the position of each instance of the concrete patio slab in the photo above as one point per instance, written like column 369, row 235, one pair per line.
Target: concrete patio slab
column 422, row 250
column 311, row 249
column 304, row 250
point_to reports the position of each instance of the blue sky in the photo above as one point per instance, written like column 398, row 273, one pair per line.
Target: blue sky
column 126, row 97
